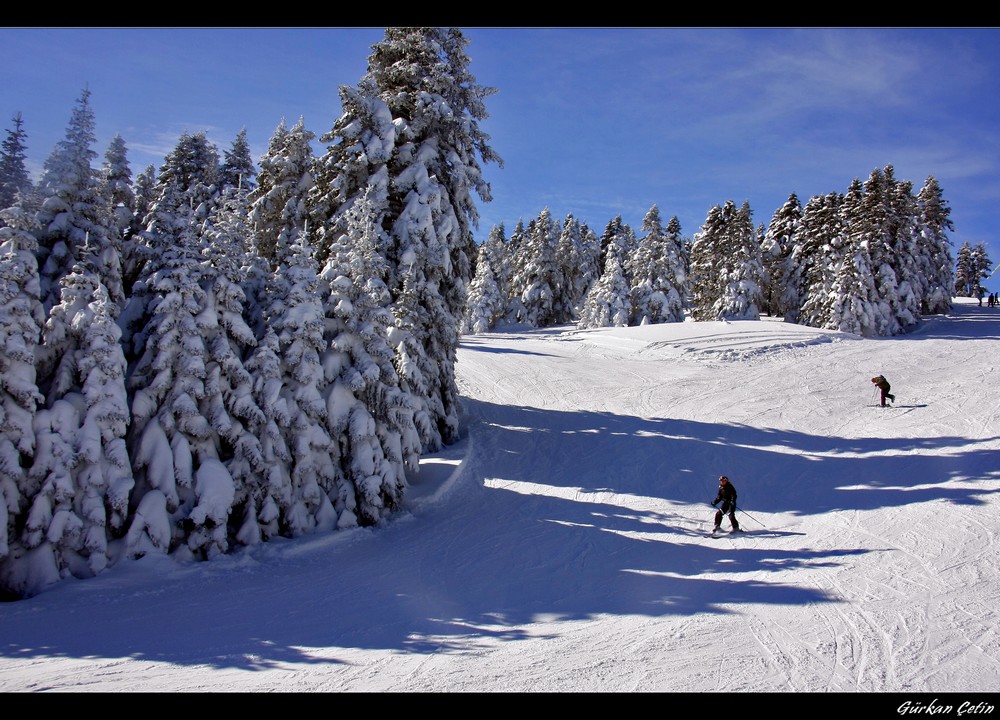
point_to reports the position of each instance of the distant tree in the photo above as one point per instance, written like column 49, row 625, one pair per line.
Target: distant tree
column 14, row 178
column 938, row 268
column 576, row 259
column 608, row 303
column 540, row 274
column 237, row 169
column 143, row 197
column 486, row 304
column 657, row 272
column 973, row 266
column 780, row 240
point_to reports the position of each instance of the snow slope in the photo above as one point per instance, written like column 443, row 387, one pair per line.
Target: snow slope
column 561, row 546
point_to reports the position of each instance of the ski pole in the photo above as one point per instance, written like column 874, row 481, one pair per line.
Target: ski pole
column 752, row 517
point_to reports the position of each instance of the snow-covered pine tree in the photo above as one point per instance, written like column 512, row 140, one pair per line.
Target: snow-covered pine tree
column 278, row 204
column 232, row 409
column 518, row 259
column 933, row 225
column 499, row 255
column 608, row 303
column 779, row 241
column 656, row 269
column 292, row 397
column 707, row 268
column 853, row 285
column 577, row 265
column 14, row 178
column 184, row 197
column 82, row 467
column 422, row 75
column 540, row 272
column 73, row 209
column 822, row 242
column 21, row 319
column 743, row 275
column 905, row 249
column 116, row 187
column 486, row 304
column 144, row 195
column 369, row 415
column 237, row 170
column 874, row 222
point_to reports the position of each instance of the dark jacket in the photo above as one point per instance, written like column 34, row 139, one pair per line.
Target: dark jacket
column 727, row 492
column 881, row 383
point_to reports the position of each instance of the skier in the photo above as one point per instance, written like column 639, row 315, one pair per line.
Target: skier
column 883, row 385
column 727, row 496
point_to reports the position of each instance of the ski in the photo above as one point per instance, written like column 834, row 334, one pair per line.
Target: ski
column 724, row 533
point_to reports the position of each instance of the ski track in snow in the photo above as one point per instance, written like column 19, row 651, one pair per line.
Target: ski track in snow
column 561, row 546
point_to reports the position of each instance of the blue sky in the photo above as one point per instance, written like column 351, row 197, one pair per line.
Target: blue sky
column 591, row 121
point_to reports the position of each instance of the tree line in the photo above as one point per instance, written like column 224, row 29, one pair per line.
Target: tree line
column 869, row 261
column 209, row 355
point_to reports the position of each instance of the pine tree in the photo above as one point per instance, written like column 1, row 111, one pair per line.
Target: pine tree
column 486, row 304
column 14, row 179
column 656, row 269
column 293, row 400
column 938, row 267
column 237, row 170
column 278, row 205
column 21, row 319
column 116, row 187
column 422, row 76
column 576, row 259
column 822, row 239
column 608, row 304
column 369, row 412
column 779, row 242
column 852, row 289
column 743, row 277
column 707, row 269
column 73, row 210
column 82, row 467
column 540, row 272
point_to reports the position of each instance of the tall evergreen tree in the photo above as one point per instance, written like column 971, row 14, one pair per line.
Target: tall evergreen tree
column 779, row 242
column 487, row 304
column 608, row 302
column 822, row 238
column 421, row 75
column 73, row 210
column 237, row 169
column 82, row 469
column 656, row 269
column 540, row 274
column 14, row 179
column 21, row 319
column 279, row 202
column 934, row 222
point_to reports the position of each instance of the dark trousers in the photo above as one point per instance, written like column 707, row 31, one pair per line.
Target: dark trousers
column 727, row 509
column 885, row 394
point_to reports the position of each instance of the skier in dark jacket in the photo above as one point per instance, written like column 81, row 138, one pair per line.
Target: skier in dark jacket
column 882, row 384
column 727, row 496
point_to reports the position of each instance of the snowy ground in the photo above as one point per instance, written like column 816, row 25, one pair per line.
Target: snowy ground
column 561, row 546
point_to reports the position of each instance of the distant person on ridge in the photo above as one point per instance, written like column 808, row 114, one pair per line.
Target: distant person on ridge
column 883, row 385
column 727, row 496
